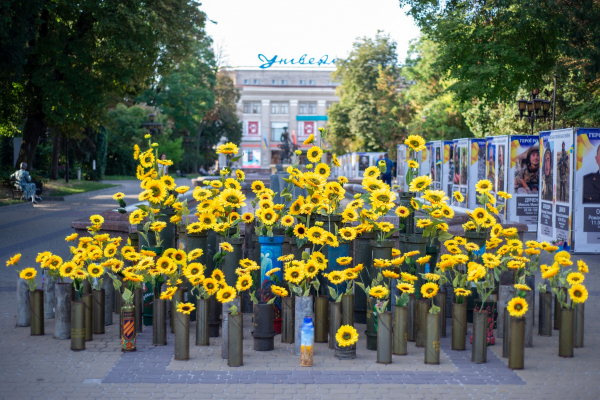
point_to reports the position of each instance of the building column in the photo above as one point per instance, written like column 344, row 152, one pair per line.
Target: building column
column 321, row 110
column 265, row 110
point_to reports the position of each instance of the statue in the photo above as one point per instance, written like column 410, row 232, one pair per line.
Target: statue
column 287, row 147
column 23, row 181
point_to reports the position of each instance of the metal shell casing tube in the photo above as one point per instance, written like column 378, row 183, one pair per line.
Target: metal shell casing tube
column 202, row 320
column 479, row 350
column 77, row 325
column 321, row 319
column 459, row 326
column 89, row 318
column 98, row 312
column 62, row 328
column 432, row 341
column 159, row 322
column 565, row 333
column 182, row 336
column 516, row 353
column 384, row 338
column 423, row 306
column 287, row 329
column 235, row 334
column 400, row 331
column 37, row 312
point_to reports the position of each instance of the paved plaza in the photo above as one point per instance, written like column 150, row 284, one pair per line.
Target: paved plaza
column 46, row 368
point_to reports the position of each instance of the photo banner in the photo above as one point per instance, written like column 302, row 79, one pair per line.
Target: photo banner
column 423, row 159
column 586, row 201
column 476, row 168
column 497, row 166
column 523, row 182
column 555, row 211
column 251, row 159
column 461, row 171
column 435, row 162
column 401, row 167
column 448, row 167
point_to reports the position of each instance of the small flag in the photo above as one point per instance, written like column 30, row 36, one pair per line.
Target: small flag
column 265, row 144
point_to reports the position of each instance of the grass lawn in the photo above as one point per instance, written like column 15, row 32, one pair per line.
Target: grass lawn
column 60, row 188
column 9, row 202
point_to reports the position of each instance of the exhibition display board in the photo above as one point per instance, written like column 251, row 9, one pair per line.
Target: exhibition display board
column 523, row 180
column 476, row 168
column 496, row 167
column 435, row 163
column 460, row 176
column 555, row 208
column 448, row 167
column 401, row 167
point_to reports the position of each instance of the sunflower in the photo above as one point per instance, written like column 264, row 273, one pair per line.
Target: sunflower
column 314, row 154
column 28, row 273
column 509, row 232
column 476, row 273
column 272, row 271
column 423, row 223
column 504, row 195
column 575, row 277
column 316, row 235
column 244, row 282
column 294, row 274
column 269, row 216
column 158, row 191
column 390, row 274
column 420, row 183
column 300, row 231
column 336, row 277
column 287, row 221
column 517, row 307
column 459, row 292
column 168, row 294
column 165, row 265
column 231, row 183
column 226, row 294
column 471, row 247
column 582, row 267
column 402, row 212
column 406, row 287
column 146, row 159
column 429, row 290
column 194, row 270
column 185, row 308
column 459, row 197
column 67, row 269
column 381, row 263
column 346, row 336
column 349, row 215
column 372, row 184
column 385, row 226
column 311, row 268
column 344, row 260
column 315, row 180
column 233, row 197
column 415, row 142
column 79, row 274
column 519, row 286
column 371, row 172
column 432, row 277
column 423, row 260
column 227, row 148
column 379, row 292
column 578, row 293
column 408, row 277
column 210, row 285
column 413, row 164
column 483, row 186
column 322, row 169
column 279, row 291
column 247, row 217
column 330, row 240
column 226, row 247
column 97, row 219
column 218, row 276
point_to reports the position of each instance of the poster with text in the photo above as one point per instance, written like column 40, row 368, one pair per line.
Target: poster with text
column 497, row 167
column 435, row 162
column 555, row 211
column 523, row 181
column 476, row 168
column 251, row 159
column 423, row 159
column 251, row 130
column 461, row 171
column 586, row 201
column 448, row 167
column 401, row 168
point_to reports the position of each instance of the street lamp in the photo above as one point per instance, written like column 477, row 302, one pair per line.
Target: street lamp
column 153, row 127
column 536, row 108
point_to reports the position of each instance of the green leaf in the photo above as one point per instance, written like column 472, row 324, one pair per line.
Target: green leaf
column 362, row 286
column 234, row 159
column 332, row 292
column 443, row 236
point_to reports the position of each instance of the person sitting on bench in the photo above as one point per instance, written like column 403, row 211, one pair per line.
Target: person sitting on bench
column 23, row 182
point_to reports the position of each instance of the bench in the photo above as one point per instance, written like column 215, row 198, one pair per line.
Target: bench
column 16, row 190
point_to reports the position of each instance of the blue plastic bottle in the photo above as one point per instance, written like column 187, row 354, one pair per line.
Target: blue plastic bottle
column 307, row 338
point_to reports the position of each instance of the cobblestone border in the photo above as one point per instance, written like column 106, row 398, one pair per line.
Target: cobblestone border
column 149, row 365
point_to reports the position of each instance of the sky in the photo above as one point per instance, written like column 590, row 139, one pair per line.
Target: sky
column 289, row 29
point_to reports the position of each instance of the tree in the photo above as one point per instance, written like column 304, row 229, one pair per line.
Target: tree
column 72, row 57
column 363, row 119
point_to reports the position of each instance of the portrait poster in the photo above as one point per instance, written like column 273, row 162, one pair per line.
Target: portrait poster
column 251, row 130
column 477, row 168
column 401, row 168
column 251, row 159
column 362, row 161
column 448, row 167
column 497, row 167
column 586, row 199
column 423, row 159
column 435, row 164
column 461, row 171
column 523, row 181
column 555, row 211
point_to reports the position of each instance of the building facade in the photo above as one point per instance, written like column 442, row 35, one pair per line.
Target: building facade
column 276, row 101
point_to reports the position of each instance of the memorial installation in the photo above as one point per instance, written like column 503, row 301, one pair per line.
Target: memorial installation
column 314, row 281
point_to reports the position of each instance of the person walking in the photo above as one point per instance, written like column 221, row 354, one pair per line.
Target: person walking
column 387, row 175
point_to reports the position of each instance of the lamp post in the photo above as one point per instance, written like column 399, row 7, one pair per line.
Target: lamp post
column 536, row 108
column 153, row 127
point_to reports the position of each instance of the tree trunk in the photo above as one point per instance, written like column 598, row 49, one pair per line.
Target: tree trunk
column 56, row 140
column 32, row 132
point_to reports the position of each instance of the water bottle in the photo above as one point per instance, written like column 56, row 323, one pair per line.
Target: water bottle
column 307, row 337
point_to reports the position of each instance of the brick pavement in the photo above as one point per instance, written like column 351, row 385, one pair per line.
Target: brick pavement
column 42, row 367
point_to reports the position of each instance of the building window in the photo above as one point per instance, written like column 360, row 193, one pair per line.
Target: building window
column 284, row 82
column 274, row 82
column 252, row 108
column 277, row 128
column 311, row 82
column 312, row 108
column 257, row 81
column 302, row 82
column 246, row 81
column 279, row 108
column 329, row 103
column 302, row 108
